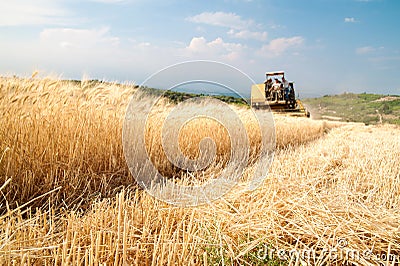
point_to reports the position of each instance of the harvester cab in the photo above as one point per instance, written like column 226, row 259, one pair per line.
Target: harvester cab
column 278, row 93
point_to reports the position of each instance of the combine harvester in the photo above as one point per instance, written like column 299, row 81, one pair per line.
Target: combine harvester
column 279, row 94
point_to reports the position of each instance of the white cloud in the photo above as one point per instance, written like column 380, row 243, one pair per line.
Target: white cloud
column 217, row 48
column 78, row 38
column 368, row 49
column 222, row 19
column 350, row 20
column 365, row 50
column 40, row 12
column 246, row 34
column 197, row 44
column 277, row 26
column 280, row 45
column 109, row 1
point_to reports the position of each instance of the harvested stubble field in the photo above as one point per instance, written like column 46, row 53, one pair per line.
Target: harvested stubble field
column 67, row 197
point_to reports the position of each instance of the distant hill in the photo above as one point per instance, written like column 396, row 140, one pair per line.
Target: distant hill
column 172, row 95
column 365, row 107
column 177, row 97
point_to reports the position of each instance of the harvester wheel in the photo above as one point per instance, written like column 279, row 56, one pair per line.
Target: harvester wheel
column 292, row 104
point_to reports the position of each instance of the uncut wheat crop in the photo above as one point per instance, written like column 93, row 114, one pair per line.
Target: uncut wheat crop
column 67, row 196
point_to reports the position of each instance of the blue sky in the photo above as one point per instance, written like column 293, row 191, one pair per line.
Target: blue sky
column 325, row 46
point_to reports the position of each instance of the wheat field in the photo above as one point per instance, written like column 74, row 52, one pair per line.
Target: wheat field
column 67, row 197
